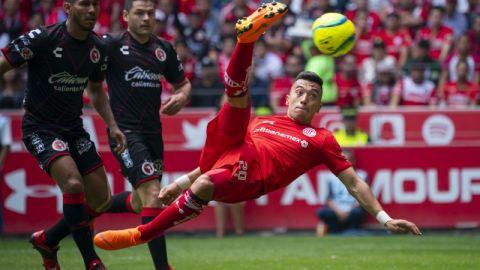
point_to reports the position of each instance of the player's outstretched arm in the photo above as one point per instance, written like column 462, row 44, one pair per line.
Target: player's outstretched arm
column 182, row 93
column 361, row 191
column 170, row 193
column 101, row 104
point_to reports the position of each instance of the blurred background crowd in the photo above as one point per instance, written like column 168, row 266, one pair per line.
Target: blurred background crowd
column 408, row 52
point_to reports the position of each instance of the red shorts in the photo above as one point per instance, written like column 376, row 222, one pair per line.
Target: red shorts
column 229, row 189
column 226, row 131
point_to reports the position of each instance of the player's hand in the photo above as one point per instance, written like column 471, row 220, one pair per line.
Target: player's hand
column 120, row 138
column 402, row 226
column 169, row 193
column 174, row 104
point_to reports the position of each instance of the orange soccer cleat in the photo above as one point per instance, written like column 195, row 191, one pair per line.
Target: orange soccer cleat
column 249, row 29
column 113, row 240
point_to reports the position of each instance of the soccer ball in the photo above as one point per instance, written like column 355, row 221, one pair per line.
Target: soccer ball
column 333, row 34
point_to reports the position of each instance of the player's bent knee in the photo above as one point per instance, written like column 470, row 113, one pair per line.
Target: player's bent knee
column 71, row 186
column 203, row 188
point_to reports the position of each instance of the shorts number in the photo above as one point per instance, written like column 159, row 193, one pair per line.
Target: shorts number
column 242, row 170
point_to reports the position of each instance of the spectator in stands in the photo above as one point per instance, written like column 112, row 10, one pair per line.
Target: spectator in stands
column 462, row 52
column 267, row 65
column 12, row 22
column 461, row 92
column 412, row 14
column 474, row 35
column 373, row 21
column 161, row 26
column 324, row 66
column 414, row 89
column 237, row 213
column 348, row 87
column 50, row 12
column 208, row 87
column 11, row 90
column 280, row 86
column 342, row 212
column 368, row 67
column 227, row 46
column 439, row 35
column 454, row 19
column 363, row 44
column 395, row 37
column 35, row 21
column 209, row 19
column 236, row 9
column 171, row 17
column 350, row 135
column 420, row 53
column 5, row 144
column 195, row 35
column 316, row 8
column 380, row 91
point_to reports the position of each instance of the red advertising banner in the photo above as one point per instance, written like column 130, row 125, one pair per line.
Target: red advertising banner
column 399, row 127
column 437, row 187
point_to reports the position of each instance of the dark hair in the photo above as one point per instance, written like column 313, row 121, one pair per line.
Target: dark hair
column 312, row 77
column 129, row 3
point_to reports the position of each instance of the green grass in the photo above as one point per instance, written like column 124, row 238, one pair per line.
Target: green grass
column 292, row 252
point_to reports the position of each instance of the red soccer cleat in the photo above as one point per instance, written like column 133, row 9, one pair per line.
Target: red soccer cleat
column 113, row 240
column 249, row 29
column 49, row 254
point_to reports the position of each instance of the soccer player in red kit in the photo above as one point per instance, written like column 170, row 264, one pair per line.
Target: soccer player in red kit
column 245, row 159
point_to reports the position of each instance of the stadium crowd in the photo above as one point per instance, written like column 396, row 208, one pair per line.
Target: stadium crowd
column 408, row 52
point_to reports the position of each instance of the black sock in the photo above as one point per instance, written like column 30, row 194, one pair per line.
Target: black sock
column 77, row 218
column 56, row 233
column 157, row 246
column 121, row 203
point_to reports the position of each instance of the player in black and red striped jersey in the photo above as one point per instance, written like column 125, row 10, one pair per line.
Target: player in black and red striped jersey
column 62, row 60
column 136, row 62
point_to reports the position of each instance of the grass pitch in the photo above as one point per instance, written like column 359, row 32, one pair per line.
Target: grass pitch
column 292, row 252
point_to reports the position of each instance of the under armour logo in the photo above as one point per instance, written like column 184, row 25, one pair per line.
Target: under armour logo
column 17, row 200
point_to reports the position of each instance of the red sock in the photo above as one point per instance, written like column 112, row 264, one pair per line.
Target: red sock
column 187, row 207
column 235, row 78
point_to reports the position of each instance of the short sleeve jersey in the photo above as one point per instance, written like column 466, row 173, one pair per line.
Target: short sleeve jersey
column 287, row 149
column 59, row 68
column 133, row 79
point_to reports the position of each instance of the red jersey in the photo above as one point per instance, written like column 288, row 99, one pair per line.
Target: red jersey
column 415, row 94
column 394, row 41
column 363, row 47
column 460, row 95
column 374, row 22
column 437, row 40
column 348, row 91
column 286, row 149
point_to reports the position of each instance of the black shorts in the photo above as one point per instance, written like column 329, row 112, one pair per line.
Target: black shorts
column 47, row 145
column 143, row 159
